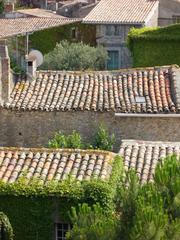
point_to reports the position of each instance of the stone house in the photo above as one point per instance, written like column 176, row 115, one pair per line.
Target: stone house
column 132, row 103
column 169, row 12
column 48, row 165
column 113, row 20
column 76, row 9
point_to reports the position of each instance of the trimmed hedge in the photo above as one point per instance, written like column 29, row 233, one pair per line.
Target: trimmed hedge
column 155, row 46
column 30, row 207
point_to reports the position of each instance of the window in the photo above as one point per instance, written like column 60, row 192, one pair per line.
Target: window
column 113, row 30
column 73, row 32
column 113, row 61
column 61, row 230
column 176, row 19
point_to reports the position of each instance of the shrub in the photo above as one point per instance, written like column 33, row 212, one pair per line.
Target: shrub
column 62, row 141
column 92, row 223
column 151, row 211
column 16, row 67
column 103, row 140
column 6, row 231
column 75, row 56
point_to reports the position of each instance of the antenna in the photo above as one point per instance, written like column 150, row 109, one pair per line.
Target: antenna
column 34, row 60
column 36, row 55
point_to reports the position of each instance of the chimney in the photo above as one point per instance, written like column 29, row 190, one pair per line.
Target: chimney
column 6, row 80
column 8, row 7
column 31, row 66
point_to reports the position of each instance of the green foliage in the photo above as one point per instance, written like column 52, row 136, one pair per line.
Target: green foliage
column 62, row 141
column 103, row 140
column 126, row 199
column 1, row 6
column 29, row 217
column 150, row 219
column 151, row 211
column 92, row 223
column 5, row 227
column 16, row 67
column 154, row 46
column 32, row 203
column 173, row 230
column 167, row 180
column 75, row 56
column 46, row 40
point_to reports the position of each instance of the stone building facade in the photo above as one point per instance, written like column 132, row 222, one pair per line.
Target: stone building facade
column 131, row 103
column 112, row 26
column 169, row 12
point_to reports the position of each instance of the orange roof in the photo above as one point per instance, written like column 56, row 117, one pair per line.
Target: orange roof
column 143, row 156
column 130, row 91
column 54, row 164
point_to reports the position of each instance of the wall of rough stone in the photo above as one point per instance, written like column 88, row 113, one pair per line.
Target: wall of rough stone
column 153, row 20
column 34, row 129
column 168, row 9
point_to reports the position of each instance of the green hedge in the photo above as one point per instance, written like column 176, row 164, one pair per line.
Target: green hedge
column 155, row 46
column 30, row 207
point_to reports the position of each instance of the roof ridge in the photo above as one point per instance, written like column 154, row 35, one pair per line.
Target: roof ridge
column 122, row 70
column 58, row 150
column 137, row 141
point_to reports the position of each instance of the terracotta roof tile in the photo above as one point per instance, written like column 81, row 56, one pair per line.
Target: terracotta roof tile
column 133, row 91
column 143, row 156
column 39, row 12
column 23, row 25
column 121, row 11
column 50, row 164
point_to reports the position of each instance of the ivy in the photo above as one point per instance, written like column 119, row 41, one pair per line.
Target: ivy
column 1, row 6
column 46, row 40
column 30, row 205
column 154, row 46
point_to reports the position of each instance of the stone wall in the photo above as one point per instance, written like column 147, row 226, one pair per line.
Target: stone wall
column 34, row 129
column 168, row 9
column 153, row 19
column 6, row 77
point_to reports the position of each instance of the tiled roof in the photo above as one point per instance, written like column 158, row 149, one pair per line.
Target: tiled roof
column 50, row 164
column 24, row 25
column 39, row 12
column 143, row 156
column 121, row 11
column 96, row 91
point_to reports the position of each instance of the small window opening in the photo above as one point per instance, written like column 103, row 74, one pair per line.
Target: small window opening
column 61, row 230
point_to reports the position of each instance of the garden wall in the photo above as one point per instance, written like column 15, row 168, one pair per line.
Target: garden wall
column 34, row 129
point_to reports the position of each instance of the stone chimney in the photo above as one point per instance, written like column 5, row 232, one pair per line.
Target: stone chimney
column 31, row 67
column 6, row 78
column 8, row 7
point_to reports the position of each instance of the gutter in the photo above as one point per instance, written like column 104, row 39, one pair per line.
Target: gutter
column 147, row 115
